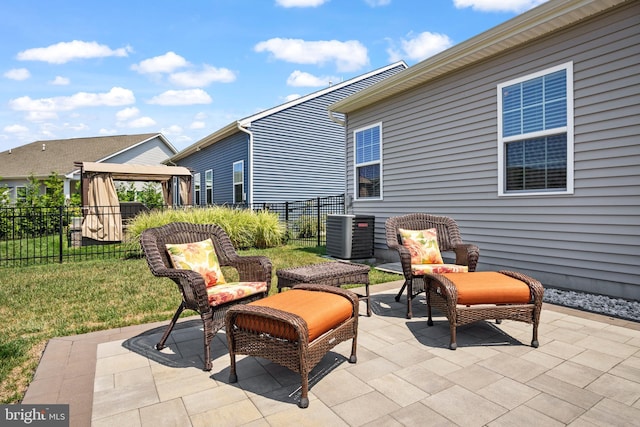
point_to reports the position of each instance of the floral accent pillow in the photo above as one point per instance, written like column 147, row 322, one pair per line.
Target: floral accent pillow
column 423, row 245
column 197, row 256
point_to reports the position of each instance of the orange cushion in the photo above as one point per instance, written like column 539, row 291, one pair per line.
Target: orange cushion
column 321, row 310
column 489, row 287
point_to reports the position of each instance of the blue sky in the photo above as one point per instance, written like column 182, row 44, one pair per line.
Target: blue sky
column 73, row 68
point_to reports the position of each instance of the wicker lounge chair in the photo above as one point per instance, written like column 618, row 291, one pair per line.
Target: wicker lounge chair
column 192, row 284
column 449, row 240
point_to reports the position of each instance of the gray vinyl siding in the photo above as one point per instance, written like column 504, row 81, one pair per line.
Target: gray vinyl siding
column 220, row 157
column 440, row 157
column 299, row 152
column 152, row 152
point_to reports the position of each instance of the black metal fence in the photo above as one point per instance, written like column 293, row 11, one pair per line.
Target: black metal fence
column 41, row 235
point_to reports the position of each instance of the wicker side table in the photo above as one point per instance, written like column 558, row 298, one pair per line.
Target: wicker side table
column 442, row 293
column 334, row 273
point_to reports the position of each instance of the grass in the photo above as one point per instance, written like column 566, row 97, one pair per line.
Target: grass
column 56, row 300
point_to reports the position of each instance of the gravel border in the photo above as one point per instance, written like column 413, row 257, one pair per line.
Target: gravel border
column 615, row 307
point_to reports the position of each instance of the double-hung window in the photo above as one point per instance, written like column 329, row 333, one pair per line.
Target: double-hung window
column 238, row 182
column 208, row 186
column 196, row 188
column 535, row 133
column 368, row 162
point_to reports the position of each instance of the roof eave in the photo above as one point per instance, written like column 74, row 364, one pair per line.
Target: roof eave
column 208, row 140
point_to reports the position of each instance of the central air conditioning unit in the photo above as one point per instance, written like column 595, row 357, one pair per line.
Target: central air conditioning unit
column 350, row 236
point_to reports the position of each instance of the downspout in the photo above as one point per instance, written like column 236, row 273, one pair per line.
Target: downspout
column 348, row 201
column 250, row 168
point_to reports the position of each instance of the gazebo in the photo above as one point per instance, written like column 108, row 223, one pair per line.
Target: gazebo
column 102, row 219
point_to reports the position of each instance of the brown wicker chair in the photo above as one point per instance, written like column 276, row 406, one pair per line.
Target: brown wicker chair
column 449, row 240
column 191, row 284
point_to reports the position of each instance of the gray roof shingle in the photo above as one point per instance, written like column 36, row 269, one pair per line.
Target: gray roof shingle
column 59, row 155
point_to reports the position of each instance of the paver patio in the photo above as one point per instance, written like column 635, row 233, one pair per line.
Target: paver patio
column 585, row 372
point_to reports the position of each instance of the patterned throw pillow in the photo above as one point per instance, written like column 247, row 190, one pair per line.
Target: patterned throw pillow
column 423, row 245
column 197, row 256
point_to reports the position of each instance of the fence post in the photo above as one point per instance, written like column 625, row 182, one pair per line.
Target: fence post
column 60, row 232
column 318, row 220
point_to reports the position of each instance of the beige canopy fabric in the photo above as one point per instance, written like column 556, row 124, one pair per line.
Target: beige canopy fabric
column 103, row 221
column 102, row 218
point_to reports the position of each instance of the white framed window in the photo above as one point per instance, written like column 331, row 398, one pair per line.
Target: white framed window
column 208, row 186
column 535, row 133
column 196, row 188
column 238, row 182
column 368, row 162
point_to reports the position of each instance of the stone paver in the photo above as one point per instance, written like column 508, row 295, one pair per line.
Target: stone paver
column 585, row 372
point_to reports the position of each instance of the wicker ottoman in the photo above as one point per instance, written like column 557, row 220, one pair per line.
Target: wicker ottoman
column 468, row 297
column 294, row 329
column 333, row 273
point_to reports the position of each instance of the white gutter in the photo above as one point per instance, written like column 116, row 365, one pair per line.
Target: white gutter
column 250, row 168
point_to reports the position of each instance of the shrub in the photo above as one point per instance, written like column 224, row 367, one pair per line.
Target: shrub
column 246, row 228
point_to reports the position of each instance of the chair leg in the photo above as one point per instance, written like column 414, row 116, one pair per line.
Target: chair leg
column 534, row 340
column 453, row 345
column 409, row 298
column 167, row 331
column 353, row 358
column 207, row 322
column 429, row 319
column 401, row 291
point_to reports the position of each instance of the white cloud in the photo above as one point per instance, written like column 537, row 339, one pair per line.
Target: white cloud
column 302, row 79
column 63, row 52
column 197, row 125
column 16, row 129
column 141, row 122
column 60, row 81
column 77, row 127
column 300, row 3
column 202, row 78
column 41, row 116
column 376, row 3
column 182, row 97
column 498, row 5
column 172, row 130
column 104, row 131
column 420, row 47
column 18, row 74
column 117, row 96
column 127, row 113
column 167, row 63
column 348, row 56
column 292, row 97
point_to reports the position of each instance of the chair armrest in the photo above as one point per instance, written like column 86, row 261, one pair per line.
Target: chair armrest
column 191, row 285
column 253, row 268
column 467, row 254
column 405, row 258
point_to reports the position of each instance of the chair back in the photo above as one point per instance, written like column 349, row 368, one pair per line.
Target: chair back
column 447, row 229
column 153, row 240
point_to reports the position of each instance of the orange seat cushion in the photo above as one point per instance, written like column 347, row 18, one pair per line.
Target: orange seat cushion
column 489, row 288
column 322, row 311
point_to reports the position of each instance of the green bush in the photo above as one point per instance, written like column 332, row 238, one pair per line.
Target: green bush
column 246, row 228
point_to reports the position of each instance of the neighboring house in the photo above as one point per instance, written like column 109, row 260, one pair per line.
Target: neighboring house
column 528, row 135
column 42, row 158
column 290, row 152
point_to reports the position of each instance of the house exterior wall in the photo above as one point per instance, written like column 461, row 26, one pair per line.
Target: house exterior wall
column 440, row 156
column 220, row 158
column 151, row 152
column 299, row 152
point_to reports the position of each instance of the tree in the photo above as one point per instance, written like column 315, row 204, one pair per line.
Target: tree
column 54, row 195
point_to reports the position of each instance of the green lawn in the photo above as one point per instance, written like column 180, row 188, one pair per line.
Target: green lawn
column 55, row 300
